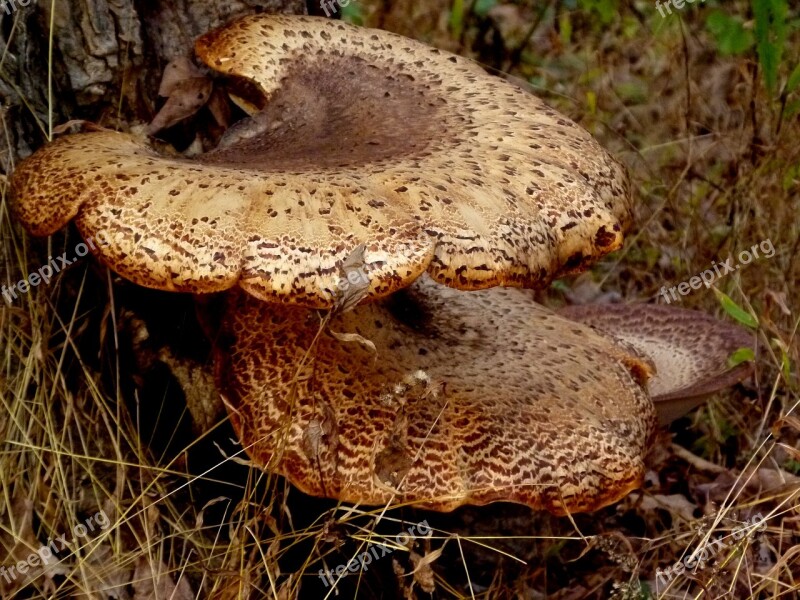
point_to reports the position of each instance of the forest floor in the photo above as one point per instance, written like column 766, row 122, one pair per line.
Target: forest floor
column 710, row 137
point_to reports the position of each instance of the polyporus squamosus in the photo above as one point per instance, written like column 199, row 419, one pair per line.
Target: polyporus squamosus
column 459, row 398
column 428, row 171
column 689, row 350
column 371, row 139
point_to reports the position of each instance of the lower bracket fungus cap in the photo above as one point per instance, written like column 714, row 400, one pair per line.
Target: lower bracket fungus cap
column 365, row 138
column 437, row 398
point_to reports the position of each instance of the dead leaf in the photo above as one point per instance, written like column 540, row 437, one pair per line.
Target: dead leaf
column 189, row 97
column 400, row 572
column 100, row 571
column 156, row 583
column 423, row 573
column 348, row 338
column 779, row 299
column 175, row 72
column 77, row 126
column 791, row 451
column 313, row 436
column 354, row 283
column 186, row 89
column 728, row 485
column 675, row 504
column 200, row 520
column 235, row 458
column 219, row 107
column 20, row 545
column 285, row 589
column 789, row 421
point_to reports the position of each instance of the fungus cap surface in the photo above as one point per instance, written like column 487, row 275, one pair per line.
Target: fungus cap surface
column 365, row 137
column 689, row 349
column 437, row 398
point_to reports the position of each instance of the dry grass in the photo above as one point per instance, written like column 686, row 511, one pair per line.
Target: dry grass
column 717, row 168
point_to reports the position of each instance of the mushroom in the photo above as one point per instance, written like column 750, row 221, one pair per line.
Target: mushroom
column 379, row 155
column 689, row 349
column 438, row 398
column 365, row 137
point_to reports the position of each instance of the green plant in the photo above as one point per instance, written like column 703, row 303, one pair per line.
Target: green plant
column 456, row 20
column 604, row 10
column 352, row 13
column 768, row 34
column 771, row 30
column 729, row 32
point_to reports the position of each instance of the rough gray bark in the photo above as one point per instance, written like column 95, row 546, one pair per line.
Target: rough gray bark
column 107, row 58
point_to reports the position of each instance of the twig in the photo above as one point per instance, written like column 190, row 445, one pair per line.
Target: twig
column 699, row 463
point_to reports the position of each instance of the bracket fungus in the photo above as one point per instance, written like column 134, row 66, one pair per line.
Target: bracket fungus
column 457, row 398
column 370, row 138
column 440, row 178
column 689, row 349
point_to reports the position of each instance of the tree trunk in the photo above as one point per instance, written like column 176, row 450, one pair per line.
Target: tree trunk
column 99, row 60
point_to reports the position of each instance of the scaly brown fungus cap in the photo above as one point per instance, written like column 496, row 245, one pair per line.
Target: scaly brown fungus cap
column 465, row 399
column 689, row 349
column 366, row 138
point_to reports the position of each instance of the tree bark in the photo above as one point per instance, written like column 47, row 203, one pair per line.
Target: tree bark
column 99, row 60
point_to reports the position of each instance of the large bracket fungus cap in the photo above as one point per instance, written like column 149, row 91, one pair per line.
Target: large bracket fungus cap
column 438, row 398
column 365, row 137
